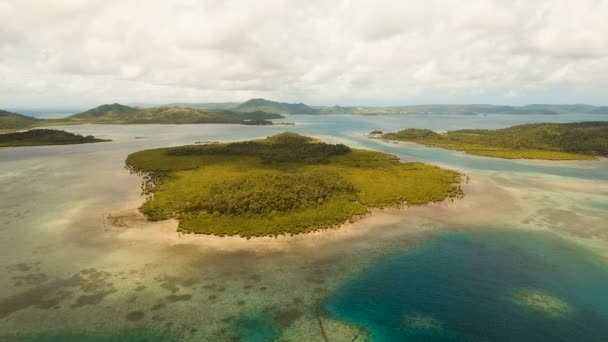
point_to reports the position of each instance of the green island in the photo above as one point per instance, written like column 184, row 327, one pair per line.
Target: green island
column 283, row 184
column 540, row 302
column 264, row 122
column 120, row 114
column 550, row 141
column 258, row 122
column 36, row 137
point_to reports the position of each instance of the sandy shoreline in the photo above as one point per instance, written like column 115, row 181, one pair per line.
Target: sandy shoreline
column 599, row 161
column 491, row 201
column 130, row 224
column 134, row 226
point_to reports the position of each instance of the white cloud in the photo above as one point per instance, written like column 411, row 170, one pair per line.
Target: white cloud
column 82, row 53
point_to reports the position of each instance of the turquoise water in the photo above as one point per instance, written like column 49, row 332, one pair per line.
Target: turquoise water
column 353, row 127
column 461, row 282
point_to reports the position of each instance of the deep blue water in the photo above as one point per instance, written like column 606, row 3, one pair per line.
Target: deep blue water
column 463, row 281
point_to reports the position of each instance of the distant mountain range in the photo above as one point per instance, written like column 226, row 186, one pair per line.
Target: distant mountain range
column 473, row 109
column 467, row 109
column 121, row 114
column 261, row 109
column 252, row 105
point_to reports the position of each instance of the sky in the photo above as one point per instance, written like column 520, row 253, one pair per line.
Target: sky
column 69, row 53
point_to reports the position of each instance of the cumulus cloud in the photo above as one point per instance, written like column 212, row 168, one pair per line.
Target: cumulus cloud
column 86, row 52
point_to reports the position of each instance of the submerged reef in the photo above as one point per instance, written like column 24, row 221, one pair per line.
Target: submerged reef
column 541, row 302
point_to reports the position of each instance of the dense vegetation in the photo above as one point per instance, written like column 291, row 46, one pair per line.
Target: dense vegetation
column 120, row 114
column 286, row 183
column 285, row 147
column 551, row 141
column 274, row 192
column 44, row 137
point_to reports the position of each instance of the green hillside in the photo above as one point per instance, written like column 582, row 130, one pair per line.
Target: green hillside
column 120, row 114
column 107, row 112
column 12, row 121
column 583, row 140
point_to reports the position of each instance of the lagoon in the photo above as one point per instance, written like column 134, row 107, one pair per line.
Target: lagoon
column 63, row 267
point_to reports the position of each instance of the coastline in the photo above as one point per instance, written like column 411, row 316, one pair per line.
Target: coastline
column 590, row 161
column 137, row 228
column 129, row 223
column 483, row 193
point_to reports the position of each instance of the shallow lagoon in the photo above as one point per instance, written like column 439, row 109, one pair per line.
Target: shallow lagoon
column 65, row 269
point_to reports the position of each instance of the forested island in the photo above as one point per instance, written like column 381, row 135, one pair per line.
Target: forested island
column 120, row 114
column 550, row 141
column 284, row 184
column 257, row 122
column 37, row 137
column 264, row 122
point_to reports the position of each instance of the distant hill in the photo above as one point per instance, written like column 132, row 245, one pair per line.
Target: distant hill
column 11, row 121
column 107, row 112
column 120, row 114
column 336, row 110
column 599, row 110
column 468, row 109
column 275, row 107
column 195, row 105
column 457, row 109
column 261, row 109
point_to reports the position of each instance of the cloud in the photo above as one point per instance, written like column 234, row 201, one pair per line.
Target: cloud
column 82, row 53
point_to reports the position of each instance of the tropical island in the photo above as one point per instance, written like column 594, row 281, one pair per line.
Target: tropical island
column 258, row 122
column 121, row 114
column 36, row 137
column 550, row 141
column 284, row 184
column 264, row 122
